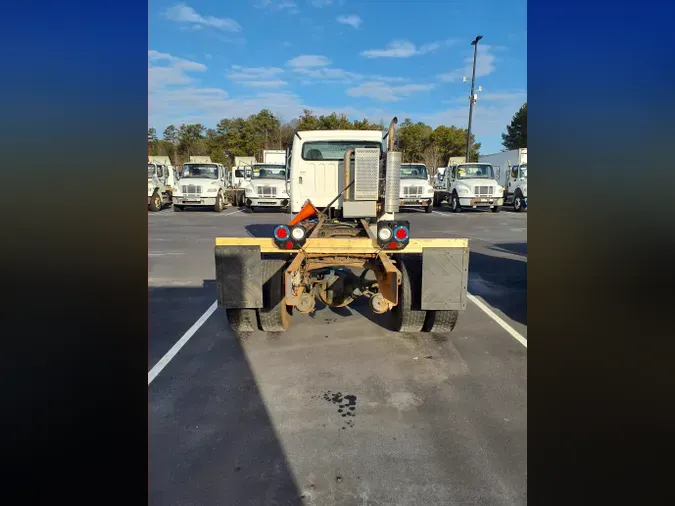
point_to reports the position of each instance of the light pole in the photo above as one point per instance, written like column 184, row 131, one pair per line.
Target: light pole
column 474, row 43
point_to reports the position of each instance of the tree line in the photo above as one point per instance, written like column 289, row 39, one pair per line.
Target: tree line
column 232, row 137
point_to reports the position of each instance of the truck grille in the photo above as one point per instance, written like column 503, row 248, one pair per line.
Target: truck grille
column 483, row 191
column 191, row 188
column 412, row 191
column 267, row 191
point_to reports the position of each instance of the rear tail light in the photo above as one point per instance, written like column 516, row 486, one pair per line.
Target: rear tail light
column 290, row 238
column 393, row 235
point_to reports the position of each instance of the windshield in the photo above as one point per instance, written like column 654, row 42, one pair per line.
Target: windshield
column 475, row 171
column 333, row 150
column 151, row 170
column 523, row 171
column 198, row 170
column 417, row 171
column 269, row 172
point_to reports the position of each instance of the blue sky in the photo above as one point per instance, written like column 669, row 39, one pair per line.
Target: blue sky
column 210, row 60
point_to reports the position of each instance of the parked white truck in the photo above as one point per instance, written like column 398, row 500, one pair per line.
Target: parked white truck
column 161, row 184
column 511, row 173
column 345, row 242
column 203, row 183
column 268, row 186
column 472, row 185
column 416, row 191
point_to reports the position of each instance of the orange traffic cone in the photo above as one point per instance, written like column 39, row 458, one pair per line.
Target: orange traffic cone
column 307, row 211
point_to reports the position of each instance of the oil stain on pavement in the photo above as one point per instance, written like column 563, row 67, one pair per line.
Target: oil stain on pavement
column 346, row 405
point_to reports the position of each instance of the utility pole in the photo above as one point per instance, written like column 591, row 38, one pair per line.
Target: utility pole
column 472, row 100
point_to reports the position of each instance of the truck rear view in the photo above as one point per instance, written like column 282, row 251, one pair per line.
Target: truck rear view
column 343, row 242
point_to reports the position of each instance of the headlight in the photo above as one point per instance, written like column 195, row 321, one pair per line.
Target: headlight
column 212, row 190
column 463, row 189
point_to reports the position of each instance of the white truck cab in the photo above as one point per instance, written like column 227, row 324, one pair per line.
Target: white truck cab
column 267, row 187
column 317, row 164
column 201, row 184
column 416, row 191
column 160, row 185
column 473, row 185
column 516, row 189
column 238, row 176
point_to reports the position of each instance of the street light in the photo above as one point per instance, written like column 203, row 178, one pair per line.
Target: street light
column 472, row 97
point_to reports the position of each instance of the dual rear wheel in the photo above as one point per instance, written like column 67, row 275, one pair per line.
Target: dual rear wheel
column 407, row 316
column 275, row 315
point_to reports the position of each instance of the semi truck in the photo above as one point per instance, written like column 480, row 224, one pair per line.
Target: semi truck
column 267, row 187
column 471, row 185
column 203, row 183
column 344, row 240
column 415, row 188
column 511, row 173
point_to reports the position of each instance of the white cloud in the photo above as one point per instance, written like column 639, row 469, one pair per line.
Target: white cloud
column 186, row 15
column 317, row 68
column 257, row 77
column 403, row 49
column 273, row 83
column 485, row 65
column 248, row 73
column 278, row 5
column 167, row 70
column 308, row 61
column 352, row 20
column 383, row 92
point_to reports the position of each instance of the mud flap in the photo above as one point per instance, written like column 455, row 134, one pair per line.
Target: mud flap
column 239, row 277
column 445, row 273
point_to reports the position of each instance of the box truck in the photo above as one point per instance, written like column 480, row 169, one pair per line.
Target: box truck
column 511, row 173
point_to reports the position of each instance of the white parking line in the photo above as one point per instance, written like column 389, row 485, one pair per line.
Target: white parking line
column 180, row 343
column 497, row 319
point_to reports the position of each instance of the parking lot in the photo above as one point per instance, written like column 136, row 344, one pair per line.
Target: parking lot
column 338, row 410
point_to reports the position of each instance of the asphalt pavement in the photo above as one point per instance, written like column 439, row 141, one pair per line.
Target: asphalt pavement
column 338, row 410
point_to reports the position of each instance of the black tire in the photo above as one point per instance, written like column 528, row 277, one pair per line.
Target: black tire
column 252, row 209
column 177, row 208
column 518, row 203
column 155, row 202
column 219, row 205
column 428, row 209
column 496, row 209
column 242, row 321
column 274, row 315
column 440, row 321
column 407, row 315
column 454, row 203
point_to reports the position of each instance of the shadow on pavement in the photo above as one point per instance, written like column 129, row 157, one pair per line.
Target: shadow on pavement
column 262, row 229
column 501, row 282
column 211, row 438
column 516, row 248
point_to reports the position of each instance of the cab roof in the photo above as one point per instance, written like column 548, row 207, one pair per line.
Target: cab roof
column 341, row 135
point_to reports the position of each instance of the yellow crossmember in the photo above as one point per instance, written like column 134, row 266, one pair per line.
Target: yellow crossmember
column 341, row 245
